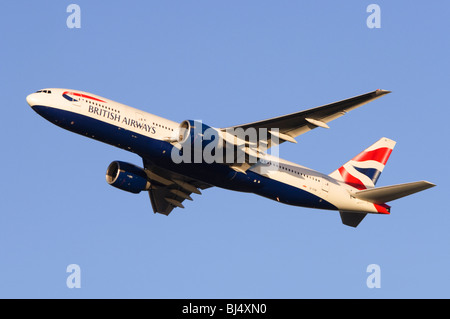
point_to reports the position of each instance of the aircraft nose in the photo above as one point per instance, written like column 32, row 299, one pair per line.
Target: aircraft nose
column 32, row 99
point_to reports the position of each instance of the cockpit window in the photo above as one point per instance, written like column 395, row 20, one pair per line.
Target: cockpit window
column 44, row 91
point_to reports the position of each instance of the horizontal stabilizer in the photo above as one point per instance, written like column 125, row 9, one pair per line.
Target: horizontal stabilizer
column 380, row 195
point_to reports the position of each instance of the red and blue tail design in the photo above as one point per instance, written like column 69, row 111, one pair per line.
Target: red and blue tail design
column 364, row 169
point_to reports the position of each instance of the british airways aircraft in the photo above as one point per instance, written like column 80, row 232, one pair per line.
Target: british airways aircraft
column 173, row 168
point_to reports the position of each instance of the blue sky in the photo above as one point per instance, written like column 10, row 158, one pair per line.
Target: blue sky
column 226, row 63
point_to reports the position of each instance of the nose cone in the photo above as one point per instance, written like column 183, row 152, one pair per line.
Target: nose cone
column 32, row 99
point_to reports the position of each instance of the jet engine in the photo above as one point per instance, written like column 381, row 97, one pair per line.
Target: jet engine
column 203, row 142
column 127, row 177
column 190, row 131
column 197, row 142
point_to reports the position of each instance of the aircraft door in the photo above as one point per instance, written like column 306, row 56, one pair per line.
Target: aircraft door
column 325, row 186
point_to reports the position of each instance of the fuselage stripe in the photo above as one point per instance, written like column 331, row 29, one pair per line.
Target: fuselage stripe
column 85, row 96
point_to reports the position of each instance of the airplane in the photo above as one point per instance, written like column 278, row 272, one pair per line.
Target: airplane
column 171, row 172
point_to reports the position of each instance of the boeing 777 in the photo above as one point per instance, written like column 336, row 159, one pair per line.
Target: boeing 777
column 184, row 158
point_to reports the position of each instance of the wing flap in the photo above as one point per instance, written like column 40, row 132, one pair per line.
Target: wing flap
column 169, row 189
column 165, row 198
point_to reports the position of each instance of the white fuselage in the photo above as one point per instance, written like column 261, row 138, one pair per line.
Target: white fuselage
column 268, row 174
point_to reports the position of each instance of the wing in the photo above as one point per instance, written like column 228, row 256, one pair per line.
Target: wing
column 169, row 189
column 287, row 127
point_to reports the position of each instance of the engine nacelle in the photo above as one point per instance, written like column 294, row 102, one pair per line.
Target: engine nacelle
column 127, row 177
column 197, row 142
column 190, row 130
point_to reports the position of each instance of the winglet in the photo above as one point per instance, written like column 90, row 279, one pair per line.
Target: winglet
column 382, row 92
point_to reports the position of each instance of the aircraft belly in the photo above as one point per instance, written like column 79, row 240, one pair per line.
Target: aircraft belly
column 292, row 195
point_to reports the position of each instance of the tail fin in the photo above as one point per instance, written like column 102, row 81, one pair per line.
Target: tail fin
column 363, row 170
